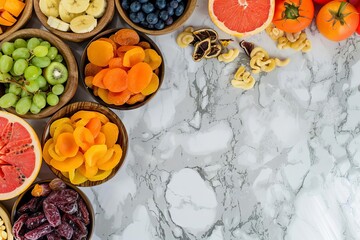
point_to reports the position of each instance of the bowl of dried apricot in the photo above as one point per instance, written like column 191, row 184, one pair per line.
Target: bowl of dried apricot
column 84, row 144
column 52, row 209
column 122, row 68
column 74, row 21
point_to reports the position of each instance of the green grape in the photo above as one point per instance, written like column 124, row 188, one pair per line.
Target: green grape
column 24, row 93
column 39, row 100
column 32, row 72
column 58, row 58
column 23, row 105
column 19, row 67
column 41, row 81
column 52, row 99
column 4, row 77
column 7, row 100
column 20, row 43
column 40, row 51
column 7, row 48
column 32, row 86
column 21, row 53
column 33, row 43
column 1, row 54
column 6, row 90
column 34, row 109
column 52, row 53
column 46, row 44
column 58, row 89
column 6, row 63
column 41, row 62
column 45, row 88
column 14, row 88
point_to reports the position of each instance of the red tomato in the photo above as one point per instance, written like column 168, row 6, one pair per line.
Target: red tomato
column 337, row 20
column 293, row 15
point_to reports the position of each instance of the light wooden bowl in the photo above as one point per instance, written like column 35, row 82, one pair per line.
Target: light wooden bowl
column 78, row 37
column 6, row 219
column 65, row 51
column 26, row 196
column 84, row 60
column 68, row 111
column 21, row 20
column 176, row 24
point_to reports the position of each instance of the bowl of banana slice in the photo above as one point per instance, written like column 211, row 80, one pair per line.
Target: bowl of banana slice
column 72, row 20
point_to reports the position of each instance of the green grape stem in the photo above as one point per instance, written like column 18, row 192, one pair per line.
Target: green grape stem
column 22, row 80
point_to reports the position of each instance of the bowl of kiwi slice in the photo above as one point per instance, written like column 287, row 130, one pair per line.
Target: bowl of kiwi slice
column 38, row 73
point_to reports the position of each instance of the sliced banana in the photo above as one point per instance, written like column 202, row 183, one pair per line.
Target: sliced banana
column 75, row 6
column 97, row 8
column 58, row 24
column 83, row 24
column 65, row 15
column 49, row 7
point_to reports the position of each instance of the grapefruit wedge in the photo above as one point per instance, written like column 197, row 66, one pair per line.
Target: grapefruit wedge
column 20, row 155
column 241, row 18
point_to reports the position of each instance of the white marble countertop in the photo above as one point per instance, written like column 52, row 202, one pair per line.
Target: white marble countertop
column 209, row 161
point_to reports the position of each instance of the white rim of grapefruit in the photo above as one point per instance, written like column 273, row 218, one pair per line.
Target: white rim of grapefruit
column 38, row 156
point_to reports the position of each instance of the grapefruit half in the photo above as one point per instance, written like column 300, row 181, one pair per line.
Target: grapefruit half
column 20, row 155
column 241, row 18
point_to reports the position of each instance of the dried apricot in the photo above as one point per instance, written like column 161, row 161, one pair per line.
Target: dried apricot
column 98, row 78
column 114, row 160
column 88, row 81
column 58, row 123
column 83, row 114
column 133, row 56
column 144, row 45
column 100, row 139
column 94, row 125
column 139, row 77
column 111, row 132
column 46, row 154
column 126, row 37
column 69, row 163
column 152, row 58
column 153, row 85
column 139, row 97
column 66, row 145
column 103, row 94
column 119, row 98
column 83, row 138
column 115, row 80
column 76, row 177
column 100, row 52
column 92, row 69
column 54, row 154
column 66, row 127
column 116, row 62
column 94, row 154
column 124, row 49
column 100, row 175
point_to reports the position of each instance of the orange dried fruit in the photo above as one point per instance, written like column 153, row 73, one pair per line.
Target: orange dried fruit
column 152, row 58
column 100, row 139
column 76, row 177
column 68, row 164
column 94, row 125
column 116, row 62
column 88, row 171
column 103, row 94
column 88, row 81
column 107, row 156
column 66, row 145
column 94, row 154
column 144, row 45
column 54, row 154
column 109, row 41
column 100, row 175
column 119, row 98
column 139, row 97
column 83, row 138
column 46, row 154
column 124, row 49
column 100, row 52
column 115, row 80
column 153, row 85
column 139, row 77
column 83, row 114
column 126, row 37
column 133, row 56
column 114, row 160
column 99, row 77
column 66, row 127
column 92, row 69
column 111, row 132
column 58, row 123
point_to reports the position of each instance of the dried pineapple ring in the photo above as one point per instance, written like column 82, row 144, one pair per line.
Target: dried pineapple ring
column 184, row 39
column 229, row 56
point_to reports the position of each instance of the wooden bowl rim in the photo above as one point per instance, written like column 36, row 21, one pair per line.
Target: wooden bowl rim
column 78, row 37
column 71, row 63
column 189, row 9
column 7, row 221
column 21, row 20
column 84, row 60
column 75, row 188
column 123, row 138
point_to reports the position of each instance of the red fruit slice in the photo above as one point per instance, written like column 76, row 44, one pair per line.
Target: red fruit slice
column 241, row 17
column 20, row 155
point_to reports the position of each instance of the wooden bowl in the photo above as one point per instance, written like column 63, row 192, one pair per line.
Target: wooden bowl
column 26, row 196
column 78, row 37
column 4, row 215
column 21, row 20
column 68, row 111
column 176, row 24
column 84, row 61
column 65, row 51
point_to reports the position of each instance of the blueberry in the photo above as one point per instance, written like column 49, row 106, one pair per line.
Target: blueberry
column 164, row 15
column 170, row 10
column 174, row 3
column 135, row 6
column 160, row 25
column 160, row 4
column 147, row 8
column 179, row 1
column 144, row 24
column 141, row 16
column 179, row 10
column 134, row 18
column 169, row 21
column 143, row 1
column 125, row 4
column 152, row 18
column 150, row 26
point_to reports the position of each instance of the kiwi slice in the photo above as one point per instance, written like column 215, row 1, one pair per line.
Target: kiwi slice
column 56, row 73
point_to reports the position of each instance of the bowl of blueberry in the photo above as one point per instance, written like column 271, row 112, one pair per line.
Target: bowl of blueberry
column 155, row 17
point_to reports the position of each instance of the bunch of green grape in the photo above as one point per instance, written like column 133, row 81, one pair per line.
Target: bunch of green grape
column 33, row 74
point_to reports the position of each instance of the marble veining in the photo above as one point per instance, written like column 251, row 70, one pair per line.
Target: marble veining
column 208, row 161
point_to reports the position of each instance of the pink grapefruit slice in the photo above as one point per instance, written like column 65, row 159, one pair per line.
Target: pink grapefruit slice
column 20, row 155
column 241, row 18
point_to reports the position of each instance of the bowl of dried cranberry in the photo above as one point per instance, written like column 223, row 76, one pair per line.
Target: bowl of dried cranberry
column 52, row 209
column 155, row 17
